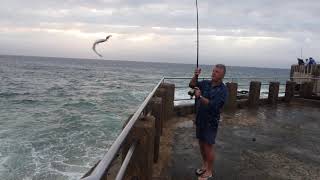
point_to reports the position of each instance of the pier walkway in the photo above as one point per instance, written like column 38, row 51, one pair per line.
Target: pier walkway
column 270, row 142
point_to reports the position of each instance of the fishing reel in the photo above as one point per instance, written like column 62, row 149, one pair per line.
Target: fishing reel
column 191, row 93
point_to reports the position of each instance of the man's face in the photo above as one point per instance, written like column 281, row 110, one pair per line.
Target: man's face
column 217, row 74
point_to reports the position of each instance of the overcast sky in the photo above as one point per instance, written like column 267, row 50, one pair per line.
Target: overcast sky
column 235, row 32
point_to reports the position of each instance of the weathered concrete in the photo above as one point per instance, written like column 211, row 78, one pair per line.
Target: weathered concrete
column 156, row 112
column 306, row 90
column 254, row 93
column 269, row 143
column 273, row 92
column 162, row 93
column 289, row 92
column 141, row 163
column 169, row 102
column 231, row 103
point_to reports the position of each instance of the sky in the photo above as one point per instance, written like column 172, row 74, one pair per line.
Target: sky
column 260, row 33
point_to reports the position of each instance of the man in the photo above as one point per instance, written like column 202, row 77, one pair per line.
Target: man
column 210, row 97
column 300, row 61
column 311, row 61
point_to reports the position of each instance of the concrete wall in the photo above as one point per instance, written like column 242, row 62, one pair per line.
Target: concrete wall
column 301, row 74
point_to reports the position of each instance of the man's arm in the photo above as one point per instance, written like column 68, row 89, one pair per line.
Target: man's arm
column 219, row 99
column 194, row 81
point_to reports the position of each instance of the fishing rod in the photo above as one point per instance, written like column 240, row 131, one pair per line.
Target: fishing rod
column 197, row 33
column 191, row 92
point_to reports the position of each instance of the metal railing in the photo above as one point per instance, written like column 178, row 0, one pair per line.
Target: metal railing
column 104, row 165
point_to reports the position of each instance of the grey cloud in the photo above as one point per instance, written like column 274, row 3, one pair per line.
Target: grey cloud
column 292, row 20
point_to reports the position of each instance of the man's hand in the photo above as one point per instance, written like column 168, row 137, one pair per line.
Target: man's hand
column 194, row 80
column 197, row 92
column 197, row 72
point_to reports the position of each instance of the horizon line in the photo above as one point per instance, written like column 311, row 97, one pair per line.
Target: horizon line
column 142, row 61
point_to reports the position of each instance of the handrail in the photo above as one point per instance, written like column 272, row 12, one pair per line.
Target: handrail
column 107, row 159
column 126, row 161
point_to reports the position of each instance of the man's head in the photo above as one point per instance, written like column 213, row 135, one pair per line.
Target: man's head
column 218, row 72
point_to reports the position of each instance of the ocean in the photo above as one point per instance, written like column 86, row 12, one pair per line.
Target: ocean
column 59, row 116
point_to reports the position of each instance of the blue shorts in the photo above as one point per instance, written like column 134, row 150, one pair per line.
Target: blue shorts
column 207, row 134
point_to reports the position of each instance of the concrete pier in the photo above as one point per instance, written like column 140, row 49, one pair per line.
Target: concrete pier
column 264, row 142
column 311, row 73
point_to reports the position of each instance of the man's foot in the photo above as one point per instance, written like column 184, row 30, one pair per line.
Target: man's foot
column 206, row 176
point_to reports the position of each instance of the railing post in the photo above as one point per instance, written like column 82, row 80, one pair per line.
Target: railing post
column 156, row 112
column 289, row 93
column 254, row 93
column 161, row 92
column 232, row 95
column 273, row 92
column 169, row 102
column 140, row 166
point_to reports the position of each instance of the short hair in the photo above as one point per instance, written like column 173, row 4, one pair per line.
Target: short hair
column 221, row 66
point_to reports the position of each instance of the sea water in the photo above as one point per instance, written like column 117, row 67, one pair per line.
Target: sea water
column 59, row 116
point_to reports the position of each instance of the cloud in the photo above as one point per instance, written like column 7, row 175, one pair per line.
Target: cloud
column 269, row 30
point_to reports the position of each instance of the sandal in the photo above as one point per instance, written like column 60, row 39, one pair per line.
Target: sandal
column 199, row 172
column 210, row 177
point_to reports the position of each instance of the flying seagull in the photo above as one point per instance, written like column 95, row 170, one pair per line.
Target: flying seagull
column 98, row 42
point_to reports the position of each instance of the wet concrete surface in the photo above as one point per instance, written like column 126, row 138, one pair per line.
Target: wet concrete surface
column 286, row 146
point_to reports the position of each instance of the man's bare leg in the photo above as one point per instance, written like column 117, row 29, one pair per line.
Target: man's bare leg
column 210, row 156
column 203, row 155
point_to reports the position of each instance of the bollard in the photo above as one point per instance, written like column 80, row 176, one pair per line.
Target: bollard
column 161, row 92
column 140, row 166
column 254, row 93
column 156, row 112
column 169, row 102
column 232, row 96
column 273, row 92
column 289, row 94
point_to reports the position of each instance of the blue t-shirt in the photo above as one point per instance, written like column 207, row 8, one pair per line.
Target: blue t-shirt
column 208, row 116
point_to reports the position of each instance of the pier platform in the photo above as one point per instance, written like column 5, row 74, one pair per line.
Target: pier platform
column 267, row 143
column 273, row 138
